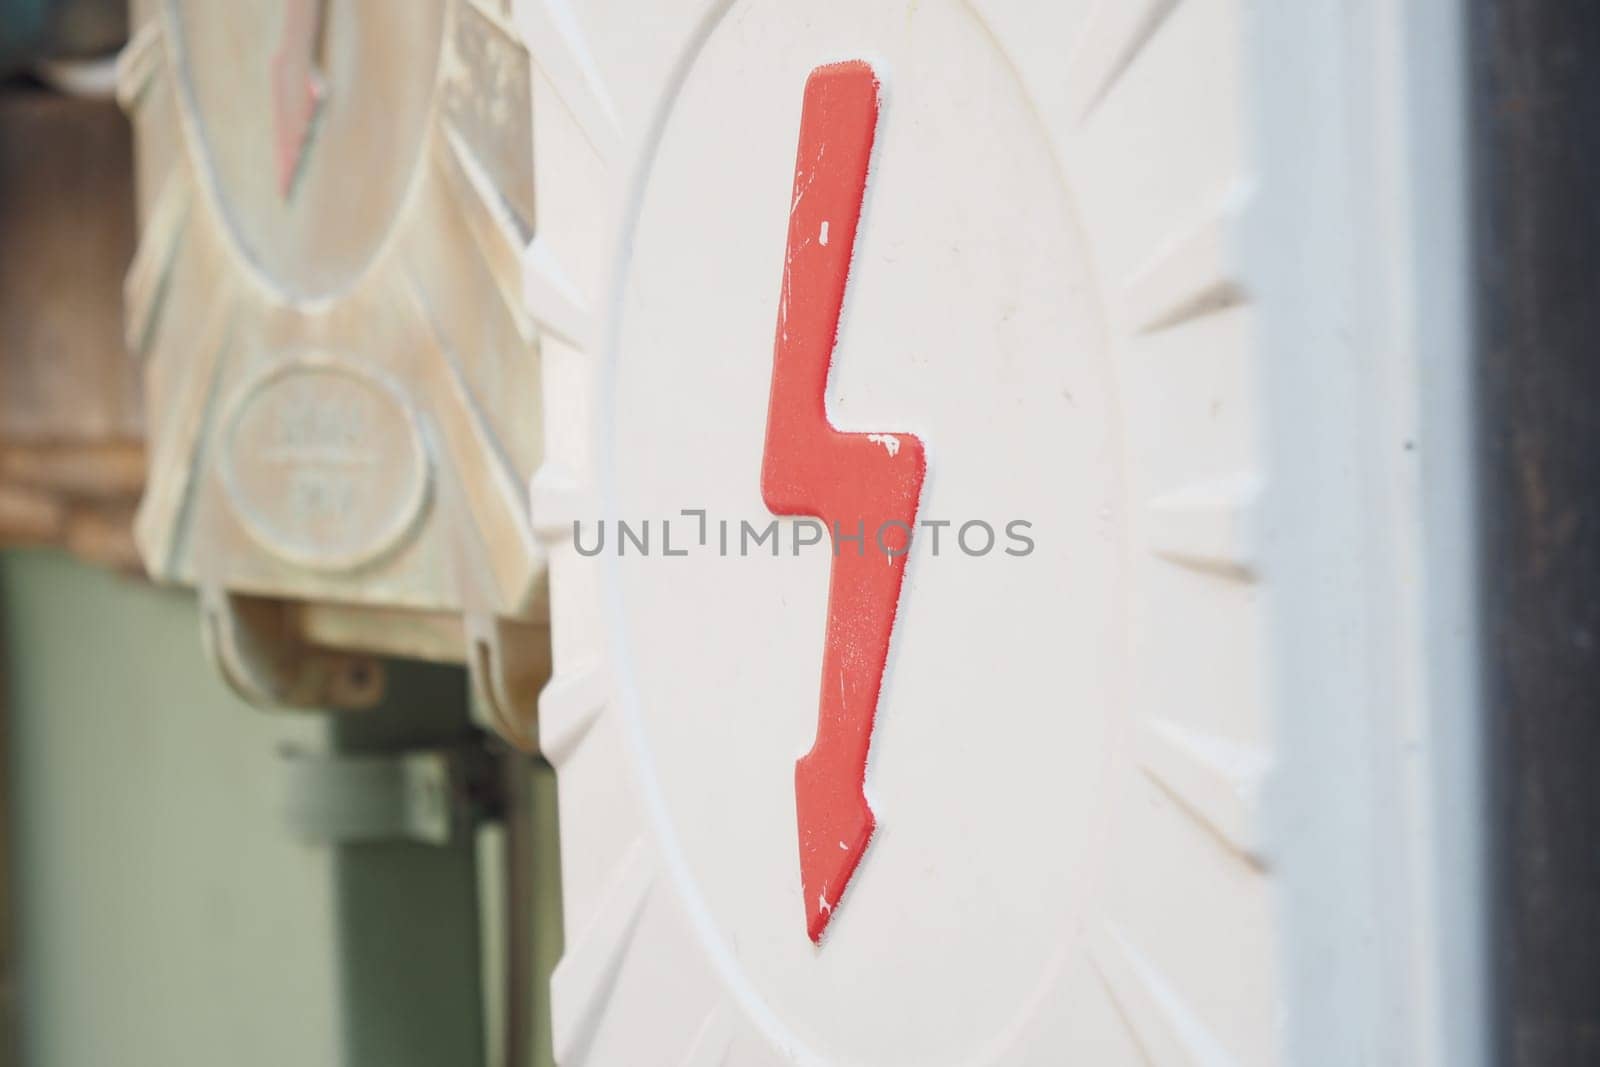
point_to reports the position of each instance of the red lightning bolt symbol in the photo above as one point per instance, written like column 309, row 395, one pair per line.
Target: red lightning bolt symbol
column 298, row 88
column 853, row 482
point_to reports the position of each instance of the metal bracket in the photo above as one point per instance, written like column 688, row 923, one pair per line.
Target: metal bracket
column 255, row 645
column 428, row 795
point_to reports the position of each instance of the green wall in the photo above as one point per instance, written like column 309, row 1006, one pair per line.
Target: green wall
column 162, row 914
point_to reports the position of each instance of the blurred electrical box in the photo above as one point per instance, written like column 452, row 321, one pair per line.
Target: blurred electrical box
column 343, row 387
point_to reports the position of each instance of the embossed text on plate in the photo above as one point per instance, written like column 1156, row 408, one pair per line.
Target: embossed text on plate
column 324, row 464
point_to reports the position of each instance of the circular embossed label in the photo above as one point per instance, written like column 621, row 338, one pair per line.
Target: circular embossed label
column 324, row 463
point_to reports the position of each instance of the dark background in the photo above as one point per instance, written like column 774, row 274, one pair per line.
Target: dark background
column 1536, row 127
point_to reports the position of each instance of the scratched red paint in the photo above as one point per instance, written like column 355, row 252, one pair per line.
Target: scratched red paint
column 855, row 480
column 297, row 87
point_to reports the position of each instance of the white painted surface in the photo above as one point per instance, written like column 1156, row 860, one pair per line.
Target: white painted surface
column 1132, row 790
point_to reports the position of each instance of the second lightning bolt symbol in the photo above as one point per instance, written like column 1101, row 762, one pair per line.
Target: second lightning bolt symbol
column 299, row 87
column 853, row 482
